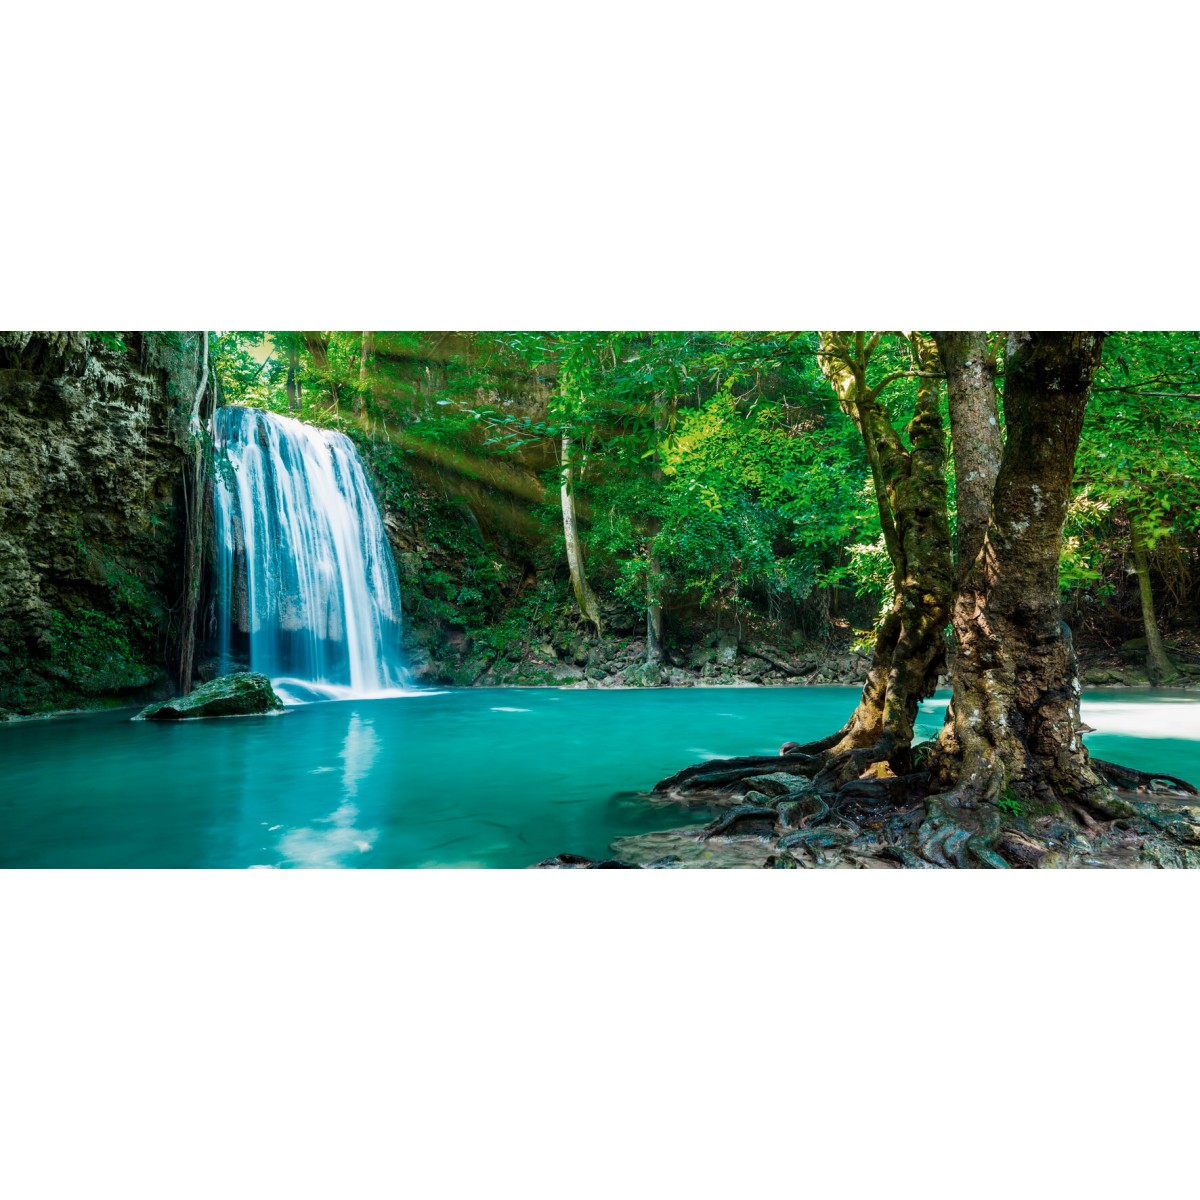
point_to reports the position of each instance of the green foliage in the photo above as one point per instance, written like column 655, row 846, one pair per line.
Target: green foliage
column 471, row 594
column 1138, row 466
column 93, row 648
column 522, row 623
column 707, row 466
column 1010, row 803
column 109, row 339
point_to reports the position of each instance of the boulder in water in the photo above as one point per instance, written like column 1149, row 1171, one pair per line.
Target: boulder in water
column 244, row 694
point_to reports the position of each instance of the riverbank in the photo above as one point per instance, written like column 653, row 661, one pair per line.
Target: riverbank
column 743, row 672
column 570, row 658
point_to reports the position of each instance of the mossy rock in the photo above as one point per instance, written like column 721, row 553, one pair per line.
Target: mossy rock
column 643, row 675
column 243, row 694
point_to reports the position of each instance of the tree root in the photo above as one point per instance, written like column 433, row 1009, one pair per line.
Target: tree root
column 721, row 772
column 1141, row 781
column 813, row 809
column 802, row 813
column 750, row 819
column 952, row 834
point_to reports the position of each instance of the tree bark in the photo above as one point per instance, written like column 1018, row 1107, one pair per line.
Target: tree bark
column 1013, row 730
column 910, row 488
column 584, row 596
column 1159, row 668
column 975, row 431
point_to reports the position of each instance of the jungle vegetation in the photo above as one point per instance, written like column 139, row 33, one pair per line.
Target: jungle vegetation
column 729, row 468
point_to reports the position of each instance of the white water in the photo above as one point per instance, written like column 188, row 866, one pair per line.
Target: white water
column 306, row 583
column 1174, row 715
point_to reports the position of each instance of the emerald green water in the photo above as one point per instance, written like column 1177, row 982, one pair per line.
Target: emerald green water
column 471, row 778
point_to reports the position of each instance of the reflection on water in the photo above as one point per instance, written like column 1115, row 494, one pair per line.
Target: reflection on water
column 335, row 839
column 477, row 777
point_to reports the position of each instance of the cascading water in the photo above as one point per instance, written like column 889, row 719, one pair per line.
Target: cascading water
column 306, row 583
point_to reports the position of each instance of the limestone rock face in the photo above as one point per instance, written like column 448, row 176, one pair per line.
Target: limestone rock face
column 91, row 456
column 243, row 694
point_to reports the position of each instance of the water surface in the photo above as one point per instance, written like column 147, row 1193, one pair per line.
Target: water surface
column 477, row 777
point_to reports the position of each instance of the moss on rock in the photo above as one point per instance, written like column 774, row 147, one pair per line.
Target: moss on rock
column 243, row 694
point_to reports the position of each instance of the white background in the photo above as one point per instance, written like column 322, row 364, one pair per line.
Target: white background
column 645, row 165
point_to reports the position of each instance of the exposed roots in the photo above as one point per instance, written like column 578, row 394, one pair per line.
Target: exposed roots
column 722, row 772
column 1140, row 781
column 815, row 809
column 952, row 835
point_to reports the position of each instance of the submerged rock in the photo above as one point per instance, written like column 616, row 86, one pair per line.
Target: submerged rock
column 562, row 861
column 243, row 694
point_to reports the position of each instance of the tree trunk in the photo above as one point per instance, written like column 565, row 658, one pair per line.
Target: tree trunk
column 975, row 430
column 293, row 374
column 910, row 486
column 654, row 613
column 1012, row 731
column 584, row 596
column 1159, row 667
column 365, row 364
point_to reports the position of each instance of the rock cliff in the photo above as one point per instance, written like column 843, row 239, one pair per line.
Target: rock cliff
column 92, row 436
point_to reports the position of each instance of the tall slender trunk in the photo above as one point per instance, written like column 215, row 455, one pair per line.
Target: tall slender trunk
column 654, row 611
column 584, row 596
column 293, row 374
column 1013, row 724
column 1159, row 667
column 365, row 365
column 975, row 432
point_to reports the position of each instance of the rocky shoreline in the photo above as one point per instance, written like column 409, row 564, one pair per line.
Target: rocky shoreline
column 776, row 821
column 568, row 659
column 571, row 660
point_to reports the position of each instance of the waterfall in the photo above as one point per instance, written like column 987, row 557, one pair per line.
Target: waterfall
column 306, row 583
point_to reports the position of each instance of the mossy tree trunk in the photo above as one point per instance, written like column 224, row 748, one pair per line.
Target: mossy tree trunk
column 1013, row 730
column 910, row 488
column 970, row 367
